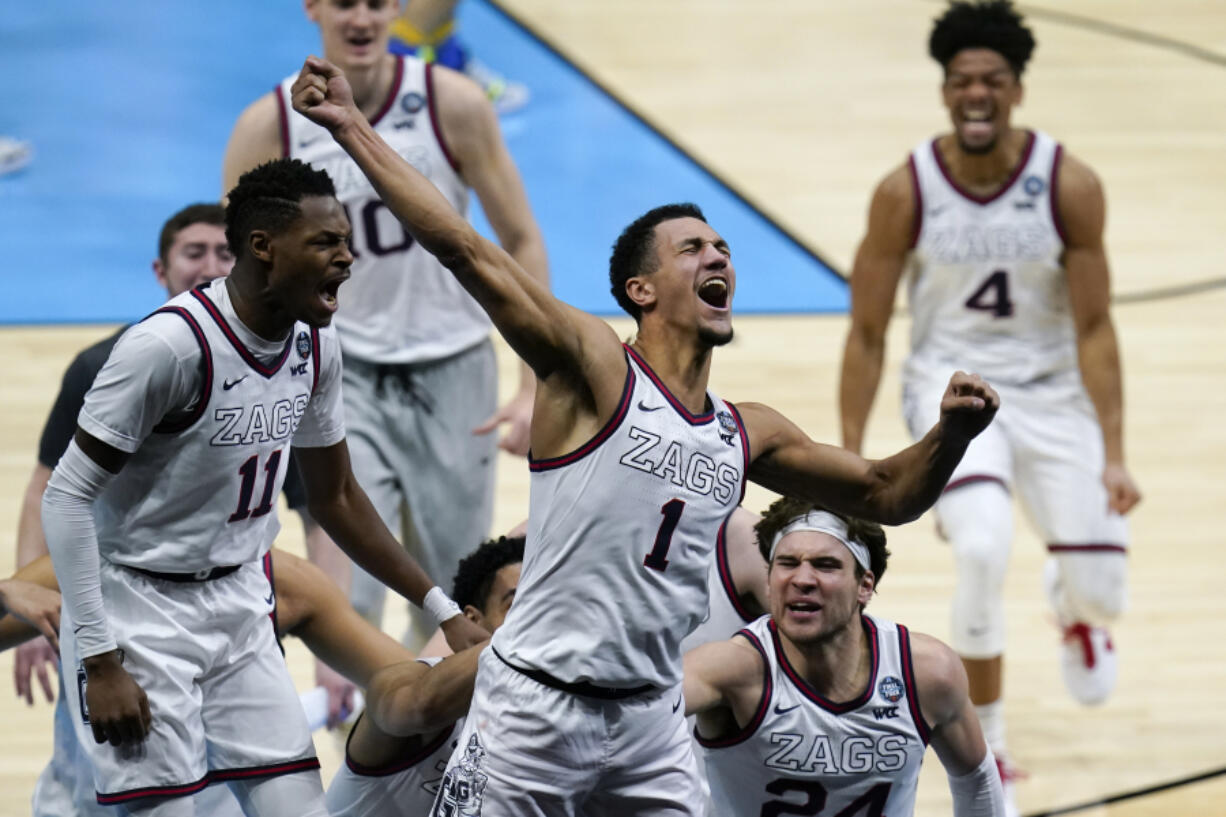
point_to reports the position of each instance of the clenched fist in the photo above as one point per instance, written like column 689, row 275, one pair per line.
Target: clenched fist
column 322, row 94
column 968, row 405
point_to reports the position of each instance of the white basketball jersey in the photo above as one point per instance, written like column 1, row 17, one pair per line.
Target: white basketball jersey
column 986, row 286
column 406, row 787
column 726, row 612
column 201, row 490
column 620, row 534
column 401, row 305
column 803, row 754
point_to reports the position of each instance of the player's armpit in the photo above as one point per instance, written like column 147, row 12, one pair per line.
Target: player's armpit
column 413, row 699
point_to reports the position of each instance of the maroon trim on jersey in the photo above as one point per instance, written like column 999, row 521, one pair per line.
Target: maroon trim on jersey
column 180, row 790
column 266, row 562
column 1053, row 189
column 725, row 573
column 692, row 419
column 812, row 694
column 1004, row 188
column 972, row 479
column 434, row 120
column 411, row 760
column 918, row 220
column 908, row 679
column 623, row 408
column 392, row 93
column 189, row 419
column 270, row 770
column 283, row 116
column 243, row 352
column 1090, row 547
column 768, row 691
column 318, row 359
column 740, row 429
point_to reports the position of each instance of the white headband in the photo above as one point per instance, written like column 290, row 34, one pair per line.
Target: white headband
column 829, row 524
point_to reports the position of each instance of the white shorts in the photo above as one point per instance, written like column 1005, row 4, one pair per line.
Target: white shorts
column 206, row 655
column 1046, row 441
column 529, row 749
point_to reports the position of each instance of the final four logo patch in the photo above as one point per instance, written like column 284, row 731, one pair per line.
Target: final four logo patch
column 890, row 689
column 303, row 344
column 727, row 426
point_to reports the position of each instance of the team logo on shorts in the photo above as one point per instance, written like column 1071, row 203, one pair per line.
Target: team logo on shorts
column 727, row 426
column 303, row 343
column 890, row 689
column 463, row 788
column 1033, row 185
column 412, row 102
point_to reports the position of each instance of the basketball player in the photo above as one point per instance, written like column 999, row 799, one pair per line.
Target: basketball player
column 1002, row 233
column 635, row 468
column 420, row 375
column 819, row 707
column 736, row 582
column 398, row 750
column 179, row 681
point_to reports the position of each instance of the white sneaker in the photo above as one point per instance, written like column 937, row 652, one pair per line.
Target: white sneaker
column 506, row 95
column 1088, row 663
column 1009, row 774
column 14, row 155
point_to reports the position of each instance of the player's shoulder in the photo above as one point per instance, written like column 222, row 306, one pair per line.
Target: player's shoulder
column 262, row 114
column 939, row 674
column 457, row 94
column 299, row 584
column 897, row 185
column 163, row 332
column 91, row 359
column 1076, row 177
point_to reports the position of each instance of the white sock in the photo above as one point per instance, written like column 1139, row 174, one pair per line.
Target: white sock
column 992, row 721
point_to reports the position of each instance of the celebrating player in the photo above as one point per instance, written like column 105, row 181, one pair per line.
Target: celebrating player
column 635, row 467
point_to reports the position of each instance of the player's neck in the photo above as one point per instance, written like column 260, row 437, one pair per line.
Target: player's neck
column 837, row 667
column 984, row 173
column 684, row 367
column 247, row 300
column 372, row 84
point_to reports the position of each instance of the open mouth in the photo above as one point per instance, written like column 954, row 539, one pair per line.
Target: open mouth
column 329, row 288
column 804, row 608
column 714, row 292
column 977, row 123
column 360, row 41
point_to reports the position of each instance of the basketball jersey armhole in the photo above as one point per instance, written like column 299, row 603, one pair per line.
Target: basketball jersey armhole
column 175, row 425
column 725, row 572
column 591, row 445
column 319, row 359
column 427, row 749
column 1053, row 188
column 747, row 731
column 908, row 676
column 435, row 123
column 282, row 120
column 917, row 221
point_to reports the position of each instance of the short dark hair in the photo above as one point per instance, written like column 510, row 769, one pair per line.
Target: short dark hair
column 199, row 213
column 785, row 510
column 267, row 198
column 994, row 25
column 633, row 251
column 477, row 570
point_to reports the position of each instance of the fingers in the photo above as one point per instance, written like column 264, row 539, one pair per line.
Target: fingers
column 49, row 629
column 491, row 423
column 44, row 680
column 146, row 717
column 21, row 676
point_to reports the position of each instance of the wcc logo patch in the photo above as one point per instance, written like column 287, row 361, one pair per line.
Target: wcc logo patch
column 727, row 426
column 303, row 344
column 891, row 689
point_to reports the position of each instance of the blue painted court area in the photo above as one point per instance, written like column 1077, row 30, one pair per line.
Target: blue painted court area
column 129, row 107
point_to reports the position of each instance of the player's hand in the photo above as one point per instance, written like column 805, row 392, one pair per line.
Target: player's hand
column 462, row 633
column 322, row 94
column 968, row 405
column 35, row 657
column 517, row 412
column 1122, row 493
column 340, row 693
column 33, row 604
column 118, row 708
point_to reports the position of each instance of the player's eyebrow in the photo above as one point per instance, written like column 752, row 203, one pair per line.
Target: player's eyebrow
column 695, row 241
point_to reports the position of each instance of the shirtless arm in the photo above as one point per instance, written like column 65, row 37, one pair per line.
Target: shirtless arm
column 722, row 679
column 413, row 699
column 874, row 279
column 576, row 357
column 745, row 560
column 893, row 490
column 1082, row 211
column 256, row 139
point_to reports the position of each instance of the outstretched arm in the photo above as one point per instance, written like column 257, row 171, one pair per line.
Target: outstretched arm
column 543, row 331
column 413, row 699
column 891, row 491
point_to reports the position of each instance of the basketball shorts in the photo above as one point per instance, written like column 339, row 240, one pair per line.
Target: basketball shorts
column 529, row 749
column 1046, row 443
column 206, row 655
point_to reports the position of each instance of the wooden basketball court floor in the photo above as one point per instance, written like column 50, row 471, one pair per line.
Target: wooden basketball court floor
column 802, row 106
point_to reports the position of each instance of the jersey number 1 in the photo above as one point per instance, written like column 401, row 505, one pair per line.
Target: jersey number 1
column 247, row 488
column 658, row 558
column 993, row 296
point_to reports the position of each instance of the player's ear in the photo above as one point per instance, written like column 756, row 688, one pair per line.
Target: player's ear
column 642, row 290
column 311, row 7
column 867, row 584
column 474, row 615
column 259, row 243
column 159, row 273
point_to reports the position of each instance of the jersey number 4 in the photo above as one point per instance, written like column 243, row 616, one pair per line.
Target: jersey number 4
column 993, row 296
column 246, row 488
column 869, row 804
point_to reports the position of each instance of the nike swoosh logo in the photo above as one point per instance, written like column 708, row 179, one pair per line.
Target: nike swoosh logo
column 229, row 384
column 78, row 629
column 644, row 407
column 307, row 142
column 677, row 705
column 271, row 597
column 779, row 710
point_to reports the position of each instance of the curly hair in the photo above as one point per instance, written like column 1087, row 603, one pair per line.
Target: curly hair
column 785, row 510
column 477, row 570
column 994, row 25
column 633, row 251
column 202, row 213
column 267, row 198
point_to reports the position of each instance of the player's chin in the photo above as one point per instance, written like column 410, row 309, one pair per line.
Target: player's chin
column 715, row 335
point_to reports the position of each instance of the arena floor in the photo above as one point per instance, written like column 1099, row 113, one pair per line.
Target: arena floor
column 802, row 106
